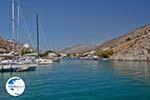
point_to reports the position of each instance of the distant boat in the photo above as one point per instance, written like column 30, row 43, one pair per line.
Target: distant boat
column 56, row 59
column 42, row 61
column 105, row 59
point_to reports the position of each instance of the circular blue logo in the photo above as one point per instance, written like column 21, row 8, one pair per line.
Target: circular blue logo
column 15, row 86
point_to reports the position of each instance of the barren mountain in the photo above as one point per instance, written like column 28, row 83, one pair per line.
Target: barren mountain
column 77, row 49
column 134, row 45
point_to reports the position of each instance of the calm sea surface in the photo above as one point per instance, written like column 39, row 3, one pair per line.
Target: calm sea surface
column 84, row 80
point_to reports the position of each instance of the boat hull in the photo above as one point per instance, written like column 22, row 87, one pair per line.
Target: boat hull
column 18, row 68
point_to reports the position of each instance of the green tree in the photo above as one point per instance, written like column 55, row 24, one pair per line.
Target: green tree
column 104, row 53
column 25, row 51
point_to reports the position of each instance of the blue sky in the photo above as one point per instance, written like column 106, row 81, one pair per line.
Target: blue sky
column 64, row 23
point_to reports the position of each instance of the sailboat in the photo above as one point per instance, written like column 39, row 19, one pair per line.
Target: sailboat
column 15, row 65
column 41, row 61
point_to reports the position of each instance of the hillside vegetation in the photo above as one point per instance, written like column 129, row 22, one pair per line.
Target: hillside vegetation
column 135, row 45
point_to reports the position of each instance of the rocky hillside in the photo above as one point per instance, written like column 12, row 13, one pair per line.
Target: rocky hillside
column 134, row 45
column 77, row 49
column 7, row 45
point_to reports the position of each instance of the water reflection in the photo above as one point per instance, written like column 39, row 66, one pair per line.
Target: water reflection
column 135, row 68
column 80, row 62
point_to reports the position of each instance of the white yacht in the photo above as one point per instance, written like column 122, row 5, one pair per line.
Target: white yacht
column 15, row 66
column 44, row 61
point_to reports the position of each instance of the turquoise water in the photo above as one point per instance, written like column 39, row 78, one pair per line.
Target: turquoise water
column 84, row 80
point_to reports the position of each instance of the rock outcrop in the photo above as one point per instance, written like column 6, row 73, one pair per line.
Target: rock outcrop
column 7, row 45
column 134, row 45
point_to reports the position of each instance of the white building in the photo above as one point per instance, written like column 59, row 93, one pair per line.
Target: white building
column 26, row 45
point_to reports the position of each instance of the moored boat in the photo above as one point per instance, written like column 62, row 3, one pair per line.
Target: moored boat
column 42, row 61
column 14, row 66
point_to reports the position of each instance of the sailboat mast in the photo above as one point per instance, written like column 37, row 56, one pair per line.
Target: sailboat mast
column 37, row 20
column 13, row 23
column 18, row 24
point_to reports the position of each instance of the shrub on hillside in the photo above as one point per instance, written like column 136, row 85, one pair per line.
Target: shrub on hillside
column 104, row 53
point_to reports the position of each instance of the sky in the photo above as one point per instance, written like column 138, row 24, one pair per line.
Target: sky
column 64, row 23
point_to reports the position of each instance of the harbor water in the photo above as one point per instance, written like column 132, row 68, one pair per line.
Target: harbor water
column 84, row 80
